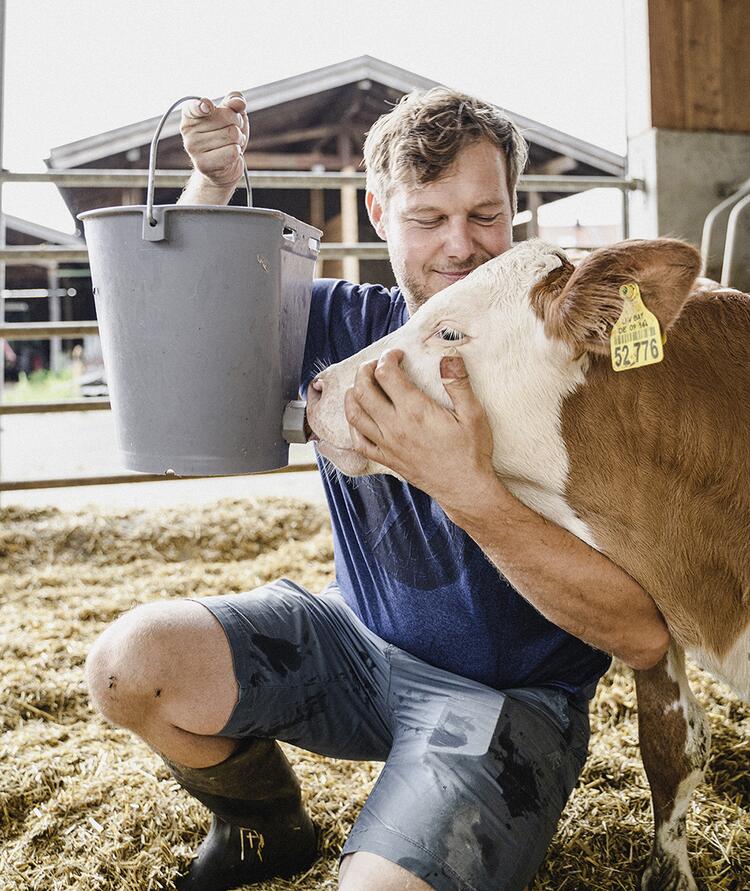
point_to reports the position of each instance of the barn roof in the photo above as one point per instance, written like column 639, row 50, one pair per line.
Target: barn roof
column 314, row 120
column 296, row 103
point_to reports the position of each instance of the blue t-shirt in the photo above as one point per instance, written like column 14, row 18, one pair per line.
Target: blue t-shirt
column 411, row 575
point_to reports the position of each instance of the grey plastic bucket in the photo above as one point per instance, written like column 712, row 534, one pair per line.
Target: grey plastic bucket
column 202, row 316
column 202, row 319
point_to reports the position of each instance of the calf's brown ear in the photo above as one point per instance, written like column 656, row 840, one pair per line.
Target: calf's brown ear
column 583, row 311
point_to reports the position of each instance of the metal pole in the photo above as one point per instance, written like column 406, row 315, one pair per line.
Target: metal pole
column 533, row 204
column 301, row 179
column 625, row 214
column 55, row 315
column 2, row 217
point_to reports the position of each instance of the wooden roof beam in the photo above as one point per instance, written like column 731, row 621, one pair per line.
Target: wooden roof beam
column 291, row 136
column 294, row 161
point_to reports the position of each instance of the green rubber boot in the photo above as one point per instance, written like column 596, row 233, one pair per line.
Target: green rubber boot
column 259, row 828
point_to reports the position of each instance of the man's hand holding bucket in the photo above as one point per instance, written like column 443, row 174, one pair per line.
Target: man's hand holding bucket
column 215, row 137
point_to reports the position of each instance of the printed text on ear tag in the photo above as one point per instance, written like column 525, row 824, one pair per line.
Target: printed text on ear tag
column 636, row 338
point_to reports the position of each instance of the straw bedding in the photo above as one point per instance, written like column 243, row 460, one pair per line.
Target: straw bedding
column 84, row 805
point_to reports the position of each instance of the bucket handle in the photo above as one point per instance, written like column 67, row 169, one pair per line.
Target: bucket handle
column 152, row 163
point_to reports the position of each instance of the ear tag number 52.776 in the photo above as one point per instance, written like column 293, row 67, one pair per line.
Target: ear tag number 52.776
column 636, row 338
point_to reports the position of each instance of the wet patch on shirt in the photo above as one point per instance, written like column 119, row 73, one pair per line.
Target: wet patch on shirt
column 282, row 655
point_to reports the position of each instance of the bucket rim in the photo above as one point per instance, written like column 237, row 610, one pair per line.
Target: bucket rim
column 177, row 208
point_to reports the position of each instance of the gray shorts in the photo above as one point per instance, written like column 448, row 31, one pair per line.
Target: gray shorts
column 474, row 779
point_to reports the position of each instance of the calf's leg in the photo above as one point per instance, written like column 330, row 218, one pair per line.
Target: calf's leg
column 674, row 740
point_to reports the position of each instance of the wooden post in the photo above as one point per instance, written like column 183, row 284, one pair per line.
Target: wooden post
column 349, row 210
column 688, row 74
column 317, row 219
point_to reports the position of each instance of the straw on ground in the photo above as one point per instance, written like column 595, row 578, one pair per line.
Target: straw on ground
column 86, row 806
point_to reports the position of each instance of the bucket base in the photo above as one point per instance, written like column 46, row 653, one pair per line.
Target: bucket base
column 203, row 466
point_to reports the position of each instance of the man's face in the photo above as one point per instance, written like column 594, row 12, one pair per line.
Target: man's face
column 439, row 232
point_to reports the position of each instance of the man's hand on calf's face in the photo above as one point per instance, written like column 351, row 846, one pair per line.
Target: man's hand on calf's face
column 445, row 453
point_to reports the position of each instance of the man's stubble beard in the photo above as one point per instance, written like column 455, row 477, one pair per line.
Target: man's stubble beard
column 414, row 293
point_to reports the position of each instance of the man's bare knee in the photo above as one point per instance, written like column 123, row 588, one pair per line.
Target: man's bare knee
column 123, row 665
column 148, row 666
column 369, row 872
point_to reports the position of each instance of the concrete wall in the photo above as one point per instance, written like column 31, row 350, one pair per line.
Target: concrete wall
column 686, row 176
column 672, row 76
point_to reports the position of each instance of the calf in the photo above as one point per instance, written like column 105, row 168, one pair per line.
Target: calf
column 648, row 465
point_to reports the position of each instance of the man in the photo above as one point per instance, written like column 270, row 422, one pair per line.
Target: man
column 421, row 654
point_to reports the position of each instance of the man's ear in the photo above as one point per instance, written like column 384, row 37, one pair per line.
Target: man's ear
column 376, row 214
column 582, row 312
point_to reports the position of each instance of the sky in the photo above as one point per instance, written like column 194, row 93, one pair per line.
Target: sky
column 75, row 68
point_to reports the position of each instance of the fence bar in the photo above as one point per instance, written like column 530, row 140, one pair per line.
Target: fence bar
column 50, row 254
column 20, row 485
column 43, row 330
column 272, row 179
column 23, row 256
column 375, row 250
column 730, row 246
column 95, row 403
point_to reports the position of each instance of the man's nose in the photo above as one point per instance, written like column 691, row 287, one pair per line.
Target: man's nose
column 459, row 242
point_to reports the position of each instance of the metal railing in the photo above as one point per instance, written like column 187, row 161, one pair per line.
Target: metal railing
column 275, row 179
column 720, row 242
column 51, row 255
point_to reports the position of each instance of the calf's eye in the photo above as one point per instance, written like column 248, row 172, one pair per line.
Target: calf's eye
column 449, row 334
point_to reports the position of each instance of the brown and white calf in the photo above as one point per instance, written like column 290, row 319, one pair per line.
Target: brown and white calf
column 649, row 465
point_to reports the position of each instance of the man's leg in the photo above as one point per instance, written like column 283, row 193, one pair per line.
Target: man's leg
column 194, row 678
column 473, row 788
column 164, row 671
column 363, row 871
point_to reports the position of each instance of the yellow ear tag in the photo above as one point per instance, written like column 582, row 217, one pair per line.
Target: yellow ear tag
column 636, row 338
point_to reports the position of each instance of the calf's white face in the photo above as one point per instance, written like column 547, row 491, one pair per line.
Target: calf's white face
column 517, row 372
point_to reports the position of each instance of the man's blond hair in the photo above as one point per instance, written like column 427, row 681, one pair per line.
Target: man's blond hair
column 424, row 132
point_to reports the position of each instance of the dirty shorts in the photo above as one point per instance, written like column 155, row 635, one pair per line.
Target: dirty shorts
column 474, row 779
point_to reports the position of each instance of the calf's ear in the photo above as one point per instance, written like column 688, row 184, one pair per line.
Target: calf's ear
column 582, row 305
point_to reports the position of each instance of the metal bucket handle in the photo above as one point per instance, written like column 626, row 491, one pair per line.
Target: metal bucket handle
column 152, row 164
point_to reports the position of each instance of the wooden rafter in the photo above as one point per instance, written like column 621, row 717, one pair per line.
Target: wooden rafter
column 291, row 136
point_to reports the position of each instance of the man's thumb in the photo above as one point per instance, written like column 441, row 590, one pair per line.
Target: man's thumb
column 455, row 379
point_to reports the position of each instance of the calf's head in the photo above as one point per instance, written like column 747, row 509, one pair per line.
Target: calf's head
column 526, row 324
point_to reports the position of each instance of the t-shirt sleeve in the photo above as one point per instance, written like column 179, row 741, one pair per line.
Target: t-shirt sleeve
column 344, row 318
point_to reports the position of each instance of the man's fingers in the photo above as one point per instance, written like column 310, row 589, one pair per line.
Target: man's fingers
column 198, row 108
column 458, row 386
column 369, row 393
column 359, row 419
column 365, row 447
column 213, row 139
column 392, row 378
column 193, row 118
column 234, row 100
